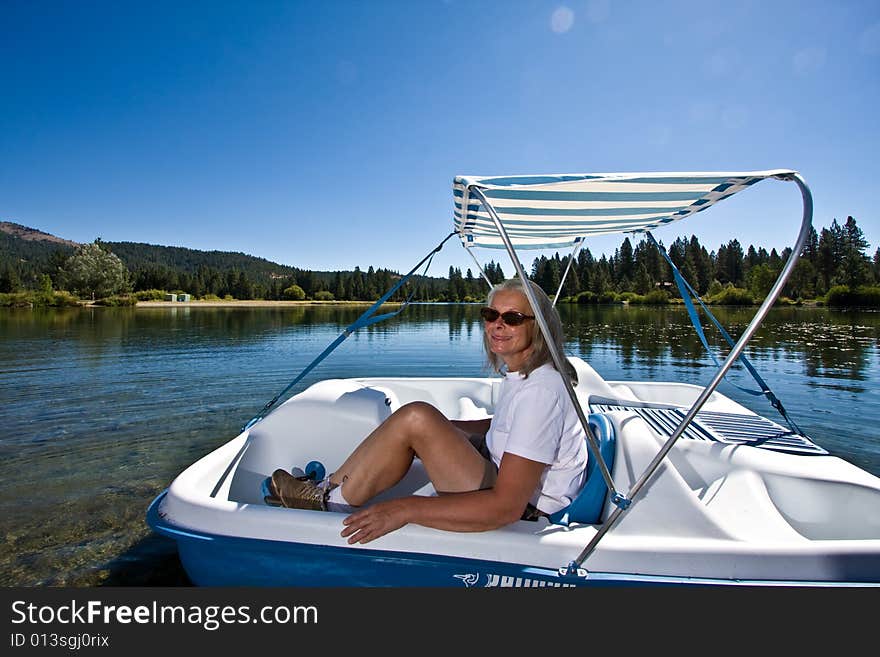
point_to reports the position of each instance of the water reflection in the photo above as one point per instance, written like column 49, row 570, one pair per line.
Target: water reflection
column 828, row 344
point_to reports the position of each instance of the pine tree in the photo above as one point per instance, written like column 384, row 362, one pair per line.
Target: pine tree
column 626, row 261
column 585, row 267
column 855, row 266
column 702, row 264
column 827, row 257
column 9, row 279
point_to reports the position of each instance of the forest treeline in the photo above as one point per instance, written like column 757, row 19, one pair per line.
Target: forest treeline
column 835, row 261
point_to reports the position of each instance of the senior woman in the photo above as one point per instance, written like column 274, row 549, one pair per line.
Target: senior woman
column 529, row 460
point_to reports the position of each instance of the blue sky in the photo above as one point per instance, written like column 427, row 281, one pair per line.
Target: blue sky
column 326, row 135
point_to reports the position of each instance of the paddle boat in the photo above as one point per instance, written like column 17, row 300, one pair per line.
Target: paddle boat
column 684, row 486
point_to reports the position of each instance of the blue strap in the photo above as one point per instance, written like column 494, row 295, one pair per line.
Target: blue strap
column 687, row 292
column 364, row 320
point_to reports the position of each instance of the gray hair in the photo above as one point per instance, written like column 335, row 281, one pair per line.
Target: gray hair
column 540, row 349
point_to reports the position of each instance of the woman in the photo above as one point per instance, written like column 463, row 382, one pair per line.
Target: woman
column 528, row 461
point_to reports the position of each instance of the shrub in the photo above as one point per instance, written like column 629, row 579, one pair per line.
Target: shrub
column 732, row 296
column 607, row 297
column 324, row 295
column 652, row 298
column 715, row 288
column 62, row 299
column 38, row 299
column 843, row 296
column 16, row 300
column 294, row 293
column 585, row 297
column 150, row 295
column 656, row 298
column 117, row 301
column 839, row 296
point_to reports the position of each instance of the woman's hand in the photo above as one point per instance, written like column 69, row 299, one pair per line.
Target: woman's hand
column 375, row 520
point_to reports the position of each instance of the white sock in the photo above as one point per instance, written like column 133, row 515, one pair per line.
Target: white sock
column 336, row 501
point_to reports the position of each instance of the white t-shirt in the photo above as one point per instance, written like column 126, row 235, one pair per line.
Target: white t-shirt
column 534, row 418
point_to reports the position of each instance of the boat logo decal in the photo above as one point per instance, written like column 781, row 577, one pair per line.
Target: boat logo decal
column 491, row 580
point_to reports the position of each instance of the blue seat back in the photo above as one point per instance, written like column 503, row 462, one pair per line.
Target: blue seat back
column 587, row 506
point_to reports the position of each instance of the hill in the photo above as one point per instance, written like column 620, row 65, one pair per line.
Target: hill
column 26, row 253
column 27, row 244
column 137, row 255
column 32, row 234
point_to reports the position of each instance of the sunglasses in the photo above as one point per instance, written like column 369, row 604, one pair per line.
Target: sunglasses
column 511, row 317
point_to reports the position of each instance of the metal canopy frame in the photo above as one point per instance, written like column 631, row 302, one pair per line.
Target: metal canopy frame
column 623, row 502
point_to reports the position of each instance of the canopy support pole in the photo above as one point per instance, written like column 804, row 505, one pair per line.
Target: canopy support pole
column 558, row 358
column 577, row 247
column 573, row 567
column 480, row 267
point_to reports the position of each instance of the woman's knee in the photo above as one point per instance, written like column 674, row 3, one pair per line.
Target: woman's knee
column 418, row 421
column 417, row 414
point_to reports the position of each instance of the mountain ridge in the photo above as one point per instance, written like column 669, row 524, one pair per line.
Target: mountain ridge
column 157, row 254
column 27, row 253
column 33, row 235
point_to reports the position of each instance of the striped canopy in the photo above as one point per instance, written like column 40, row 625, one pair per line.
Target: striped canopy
column 540, row 212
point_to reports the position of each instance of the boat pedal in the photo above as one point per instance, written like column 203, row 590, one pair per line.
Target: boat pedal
column 316, row 470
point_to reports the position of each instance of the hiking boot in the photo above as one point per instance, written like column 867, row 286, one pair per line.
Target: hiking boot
column 266, row 491
column 297, row 492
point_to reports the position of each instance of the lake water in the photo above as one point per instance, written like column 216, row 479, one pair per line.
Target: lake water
column 103, row 407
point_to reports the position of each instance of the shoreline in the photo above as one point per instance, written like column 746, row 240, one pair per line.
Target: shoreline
column 250, row 303
column 262, row 303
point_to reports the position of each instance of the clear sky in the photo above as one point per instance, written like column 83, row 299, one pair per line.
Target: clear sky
column 326, row 134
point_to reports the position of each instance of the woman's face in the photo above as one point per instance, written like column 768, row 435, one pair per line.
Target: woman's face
column 512, row 344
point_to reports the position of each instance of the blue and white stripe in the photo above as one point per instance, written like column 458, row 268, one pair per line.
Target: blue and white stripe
column 554, row 211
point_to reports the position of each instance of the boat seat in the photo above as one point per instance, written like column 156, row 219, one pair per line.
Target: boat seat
column 588, row 505
column 727, row 428
column 590, row 382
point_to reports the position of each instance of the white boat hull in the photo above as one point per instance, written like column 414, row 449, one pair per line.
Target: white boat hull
column 714, row 513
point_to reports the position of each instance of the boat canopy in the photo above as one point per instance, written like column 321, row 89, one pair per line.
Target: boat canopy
column 553, row 211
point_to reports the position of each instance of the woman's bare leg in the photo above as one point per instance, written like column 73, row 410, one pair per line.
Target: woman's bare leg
column 414, row 430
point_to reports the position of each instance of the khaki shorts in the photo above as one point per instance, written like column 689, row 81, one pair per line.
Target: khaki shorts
column 478, row 440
